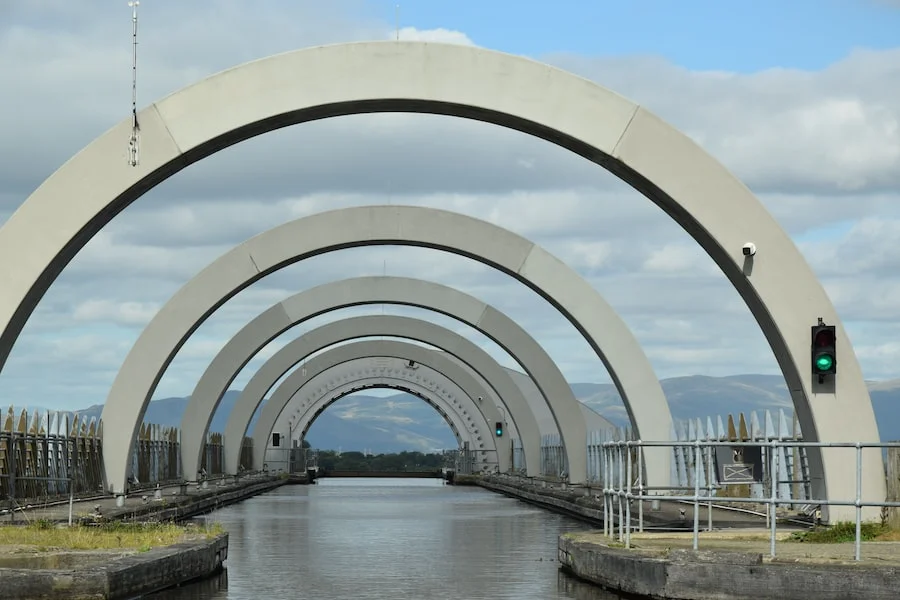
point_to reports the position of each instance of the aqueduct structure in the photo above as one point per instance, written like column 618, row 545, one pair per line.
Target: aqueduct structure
column 669, row 169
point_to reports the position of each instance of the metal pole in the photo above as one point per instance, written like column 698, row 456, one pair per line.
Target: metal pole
column 619, row 490
column 628, row 496
column 607, row 506
column 640, row 487
column 772, row 482
column 610, row 461
column 858, row 501
column 709, row 517
column 697, row 494
column 12, row 476
column 71, row 500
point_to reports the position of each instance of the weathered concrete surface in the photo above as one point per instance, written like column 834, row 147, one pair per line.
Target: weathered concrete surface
column 586, row 504
column 123, row 575
column 174, row 506
column 732, row 569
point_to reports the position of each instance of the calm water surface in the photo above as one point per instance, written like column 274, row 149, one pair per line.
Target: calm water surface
column 389, row 539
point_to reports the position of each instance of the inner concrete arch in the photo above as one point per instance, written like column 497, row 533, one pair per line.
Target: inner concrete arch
column 341, row 380
column 381, row 372
column 712, row 205
column 320, row 399
column 509, row 335
column 484, row 459
column 397, row 225
column 502, row 387
column 391, row 373
column 273, row 408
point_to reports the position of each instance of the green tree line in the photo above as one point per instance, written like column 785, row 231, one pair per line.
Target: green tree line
column 331, row 460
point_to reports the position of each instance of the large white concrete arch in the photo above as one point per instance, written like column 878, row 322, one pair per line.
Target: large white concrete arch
column 273, row 408
column 401, row 225
column 712, row 205
column 509, row 335
column 504, row 390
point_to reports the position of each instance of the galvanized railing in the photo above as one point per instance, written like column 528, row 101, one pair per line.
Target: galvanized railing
column 623, row 483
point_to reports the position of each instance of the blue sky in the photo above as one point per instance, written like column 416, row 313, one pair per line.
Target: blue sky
column 730, row 35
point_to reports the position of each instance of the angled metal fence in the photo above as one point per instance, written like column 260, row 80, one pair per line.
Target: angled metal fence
column 47, row 456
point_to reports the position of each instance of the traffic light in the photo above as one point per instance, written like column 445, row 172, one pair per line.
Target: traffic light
column 499, row 429
column 824, row 351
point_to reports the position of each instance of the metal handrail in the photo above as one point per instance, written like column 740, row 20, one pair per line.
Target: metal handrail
column 615, row 493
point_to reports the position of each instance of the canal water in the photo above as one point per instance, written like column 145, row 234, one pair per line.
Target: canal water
column 389, row 539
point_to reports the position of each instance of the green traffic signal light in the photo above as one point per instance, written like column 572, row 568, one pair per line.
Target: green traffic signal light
column 824, row 350
column 824, row 362
column 499, row 429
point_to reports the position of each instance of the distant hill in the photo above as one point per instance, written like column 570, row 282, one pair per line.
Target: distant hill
column 403, row 422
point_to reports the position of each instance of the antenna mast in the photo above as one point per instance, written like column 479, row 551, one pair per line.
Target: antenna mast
column 397, row 21
column 134, row 142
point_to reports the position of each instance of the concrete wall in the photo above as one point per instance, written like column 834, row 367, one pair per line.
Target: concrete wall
column 126, row 577
column 718, row 575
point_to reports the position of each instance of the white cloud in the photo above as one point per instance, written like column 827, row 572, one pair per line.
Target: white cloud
column 124, row 313
column 440, row 35
column 821, row 148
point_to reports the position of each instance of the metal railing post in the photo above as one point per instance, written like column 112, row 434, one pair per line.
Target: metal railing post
column 709, row 506
column 858, row 541
column 607, row 509
column 628, row 495
column 774, row 496
column 640, row 456
column 619, row 490
column 696, row 494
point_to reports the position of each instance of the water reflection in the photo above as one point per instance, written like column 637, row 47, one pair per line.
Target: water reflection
column 390, row 539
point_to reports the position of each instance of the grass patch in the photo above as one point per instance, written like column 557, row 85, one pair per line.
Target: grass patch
column 845, row 531
column 108, row 536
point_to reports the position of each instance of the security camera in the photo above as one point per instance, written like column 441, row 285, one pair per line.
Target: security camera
column 749, row 249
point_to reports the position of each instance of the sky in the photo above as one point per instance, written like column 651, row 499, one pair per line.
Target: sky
column 800, row 100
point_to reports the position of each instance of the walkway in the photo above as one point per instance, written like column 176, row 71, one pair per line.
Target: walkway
column 142, row 502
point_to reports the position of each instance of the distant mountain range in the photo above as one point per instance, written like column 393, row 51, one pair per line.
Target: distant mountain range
column 403, row 422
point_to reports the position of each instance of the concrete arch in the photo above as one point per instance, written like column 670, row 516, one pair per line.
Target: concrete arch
column 346, row 378
column 395, row 373
column 365, row 349
column 296, row 309
column 403, row 225
column 485, row 457
column 435, row 388
column 460, row 411
column 325, row 398
column 712, row 205
column 502, row 387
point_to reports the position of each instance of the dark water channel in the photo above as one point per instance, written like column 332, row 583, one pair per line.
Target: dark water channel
column 389, row 539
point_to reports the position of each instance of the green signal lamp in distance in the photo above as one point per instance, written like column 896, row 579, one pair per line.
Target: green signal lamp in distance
column 499, row 429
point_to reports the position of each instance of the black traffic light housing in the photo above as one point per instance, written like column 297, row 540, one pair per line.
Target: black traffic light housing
column 498, row 429
column 824, row 350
